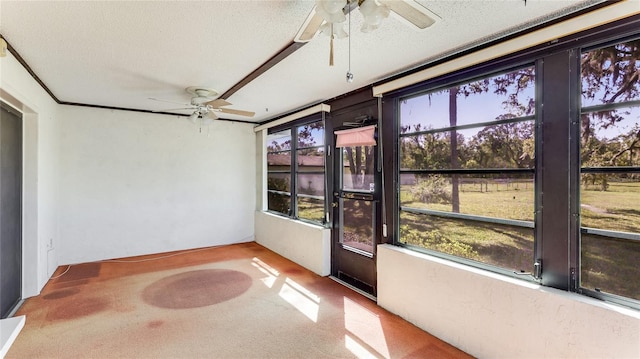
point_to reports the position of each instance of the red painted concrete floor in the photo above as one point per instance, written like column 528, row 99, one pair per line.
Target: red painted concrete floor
column 236, row 301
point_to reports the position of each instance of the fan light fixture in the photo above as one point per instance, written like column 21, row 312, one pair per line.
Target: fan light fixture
column 194, row 117
column 333, row 14
column 373, row 14
column 330, row 14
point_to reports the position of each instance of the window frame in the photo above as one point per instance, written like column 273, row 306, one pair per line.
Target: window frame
column 293, row 127
column 610, row 234
column 557, row 235
column 445, row 84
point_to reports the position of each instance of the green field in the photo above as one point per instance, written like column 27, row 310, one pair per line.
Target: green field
column 607, row 264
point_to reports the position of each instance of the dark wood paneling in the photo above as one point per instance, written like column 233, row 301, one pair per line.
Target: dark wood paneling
column 281, row 55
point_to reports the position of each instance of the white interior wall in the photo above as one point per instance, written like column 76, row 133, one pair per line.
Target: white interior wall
column 492, row 316
column 40, row 172
column 306, row 244
column 138, row 183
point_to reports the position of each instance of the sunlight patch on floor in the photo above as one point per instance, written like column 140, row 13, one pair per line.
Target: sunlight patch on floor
column 301, row 299
column 365, row 326
column 270, row 272
column 358, row 350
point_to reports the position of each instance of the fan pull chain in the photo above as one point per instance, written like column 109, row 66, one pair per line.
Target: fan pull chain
column 331, row 47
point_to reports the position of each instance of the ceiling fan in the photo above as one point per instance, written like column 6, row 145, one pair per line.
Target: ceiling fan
column 327, row 13
column 205, row 105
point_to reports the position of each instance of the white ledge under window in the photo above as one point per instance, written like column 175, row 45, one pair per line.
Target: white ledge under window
column 305, row 243
column 474, row 309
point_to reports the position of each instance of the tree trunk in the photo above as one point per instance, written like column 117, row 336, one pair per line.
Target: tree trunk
column 359, row 167
column 352, row 167
column 453, row 120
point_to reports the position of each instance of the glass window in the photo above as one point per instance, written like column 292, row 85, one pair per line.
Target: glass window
column 310, row 176
column 296, row 172
column 610, row 170
column 279, row 171
column 467, row 162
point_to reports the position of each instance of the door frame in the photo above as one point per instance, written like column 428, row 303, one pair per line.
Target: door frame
column 355, row 268
column 19, row 116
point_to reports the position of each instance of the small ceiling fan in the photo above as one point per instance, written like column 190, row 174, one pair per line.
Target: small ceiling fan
column 205, row 105
column 327, row 13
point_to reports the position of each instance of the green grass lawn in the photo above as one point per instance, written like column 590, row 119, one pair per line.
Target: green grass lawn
column 607, row 264
column 616, row 209
column 501, row 201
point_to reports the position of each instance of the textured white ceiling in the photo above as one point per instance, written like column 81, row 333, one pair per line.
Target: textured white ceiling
column 121, row 53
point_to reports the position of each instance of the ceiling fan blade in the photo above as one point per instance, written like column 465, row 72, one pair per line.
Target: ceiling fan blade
column 412, row 11
column 237, row 112
column 217, row 103
column 310, row 27
column 175, row 109
column 161, row 100
column 208, row 118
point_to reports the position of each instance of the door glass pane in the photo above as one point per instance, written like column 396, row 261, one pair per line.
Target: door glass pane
column 358, row 168
column 357, row 224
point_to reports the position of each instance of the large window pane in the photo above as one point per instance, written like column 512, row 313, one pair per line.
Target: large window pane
column 279, row 141
column 279, row 171
column 311, row 159
column 610, row 170
column 505, row 145
column 279, row 195
column 279, row 161
column 311, row 135
column 504, row 96
column 610, row 74
column 611, row 138
column 486, row 127
column 310, row 196
column 296, row 172
column 611, row 201
column 427, row 151
column 498, row 196
column 490, row 243
column 610, row 265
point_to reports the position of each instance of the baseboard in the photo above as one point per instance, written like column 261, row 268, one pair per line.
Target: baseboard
column 355, row 289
